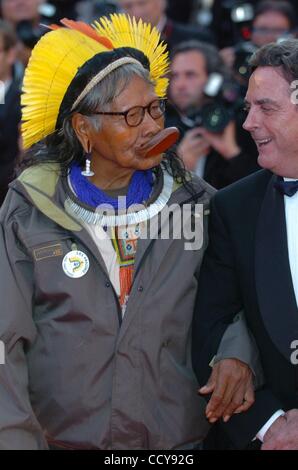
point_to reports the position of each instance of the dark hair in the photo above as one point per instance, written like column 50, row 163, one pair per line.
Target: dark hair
column 283, row 55
column 8, row 34
column 282, row 7
column 214, row 62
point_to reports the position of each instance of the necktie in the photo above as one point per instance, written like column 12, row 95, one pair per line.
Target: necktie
column 289, row 188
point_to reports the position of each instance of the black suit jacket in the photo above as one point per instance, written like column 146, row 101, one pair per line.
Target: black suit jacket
column 246, row 267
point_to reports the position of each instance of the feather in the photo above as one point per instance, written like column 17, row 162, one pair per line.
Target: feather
column 48, row 76
column 124, row 31
column 59, row 54
column 88, row 31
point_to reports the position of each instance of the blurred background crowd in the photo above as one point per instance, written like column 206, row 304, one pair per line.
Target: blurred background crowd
column 210, row 43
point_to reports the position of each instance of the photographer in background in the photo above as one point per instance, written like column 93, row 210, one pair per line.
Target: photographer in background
column 213, row 144
column 224, row 14
column 272, row 21
column 154, row 12
column 27, row 17
column 10, row 108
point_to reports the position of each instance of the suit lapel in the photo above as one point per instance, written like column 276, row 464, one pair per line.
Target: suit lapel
column 273, row 276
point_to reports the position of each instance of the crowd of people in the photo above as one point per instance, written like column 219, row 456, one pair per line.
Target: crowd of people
column 215, row 147
column 114, row 338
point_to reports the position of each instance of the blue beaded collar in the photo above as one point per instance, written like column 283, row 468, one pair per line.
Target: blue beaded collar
column 139, row 190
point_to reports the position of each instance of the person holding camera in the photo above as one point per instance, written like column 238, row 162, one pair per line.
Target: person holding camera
column 272, row 21
column 213, row 144
column 28, row 18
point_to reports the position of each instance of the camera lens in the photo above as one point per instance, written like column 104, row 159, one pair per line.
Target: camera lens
column 215, row 117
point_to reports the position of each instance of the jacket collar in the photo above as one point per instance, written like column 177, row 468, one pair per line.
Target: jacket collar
column 42, row 185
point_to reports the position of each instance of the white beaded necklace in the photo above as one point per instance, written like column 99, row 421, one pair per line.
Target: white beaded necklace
column 127, row 218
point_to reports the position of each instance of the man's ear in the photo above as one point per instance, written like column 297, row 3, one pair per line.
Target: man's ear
column 81, row 126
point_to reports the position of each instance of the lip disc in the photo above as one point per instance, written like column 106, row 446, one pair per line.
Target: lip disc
column 161, row 142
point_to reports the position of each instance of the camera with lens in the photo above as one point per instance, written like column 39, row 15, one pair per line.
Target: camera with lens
column 243, row 53
column 241, row 12
column 222, row 100
column 242, row 15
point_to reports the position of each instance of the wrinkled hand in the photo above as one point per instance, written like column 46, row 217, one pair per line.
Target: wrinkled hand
column 231, row 385
column 283, row 434
column 191, row 148
column 224, row 143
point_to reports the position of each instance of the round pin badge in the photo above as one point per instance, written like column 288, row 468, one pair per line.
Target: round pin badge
column 75, row 264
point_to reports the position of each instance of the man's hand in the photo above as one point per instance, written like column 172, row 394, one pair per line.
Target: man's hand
column 231, row 385
column 283, row 434
column 191, row 148
column 224, row 143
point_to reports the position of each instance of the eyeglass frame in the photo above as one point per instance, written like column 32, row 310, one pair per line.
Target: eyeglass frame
column 144, row 108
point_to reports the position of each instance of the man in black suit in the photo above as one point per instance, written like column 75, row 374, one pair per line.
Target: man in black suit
column 10, row 108
column 154, row 12
column 251, row 263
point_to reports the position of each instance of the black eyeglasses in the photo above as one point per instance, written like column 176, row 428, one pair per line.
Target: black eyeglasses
column 135, row 116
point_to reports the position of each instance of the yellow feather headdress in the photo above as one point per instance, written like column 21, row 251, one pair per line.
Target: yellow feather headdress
column 60, row 53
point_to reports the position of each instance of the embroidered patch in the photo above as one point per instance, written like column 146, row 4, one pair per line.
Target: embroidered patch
column 50, row 251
